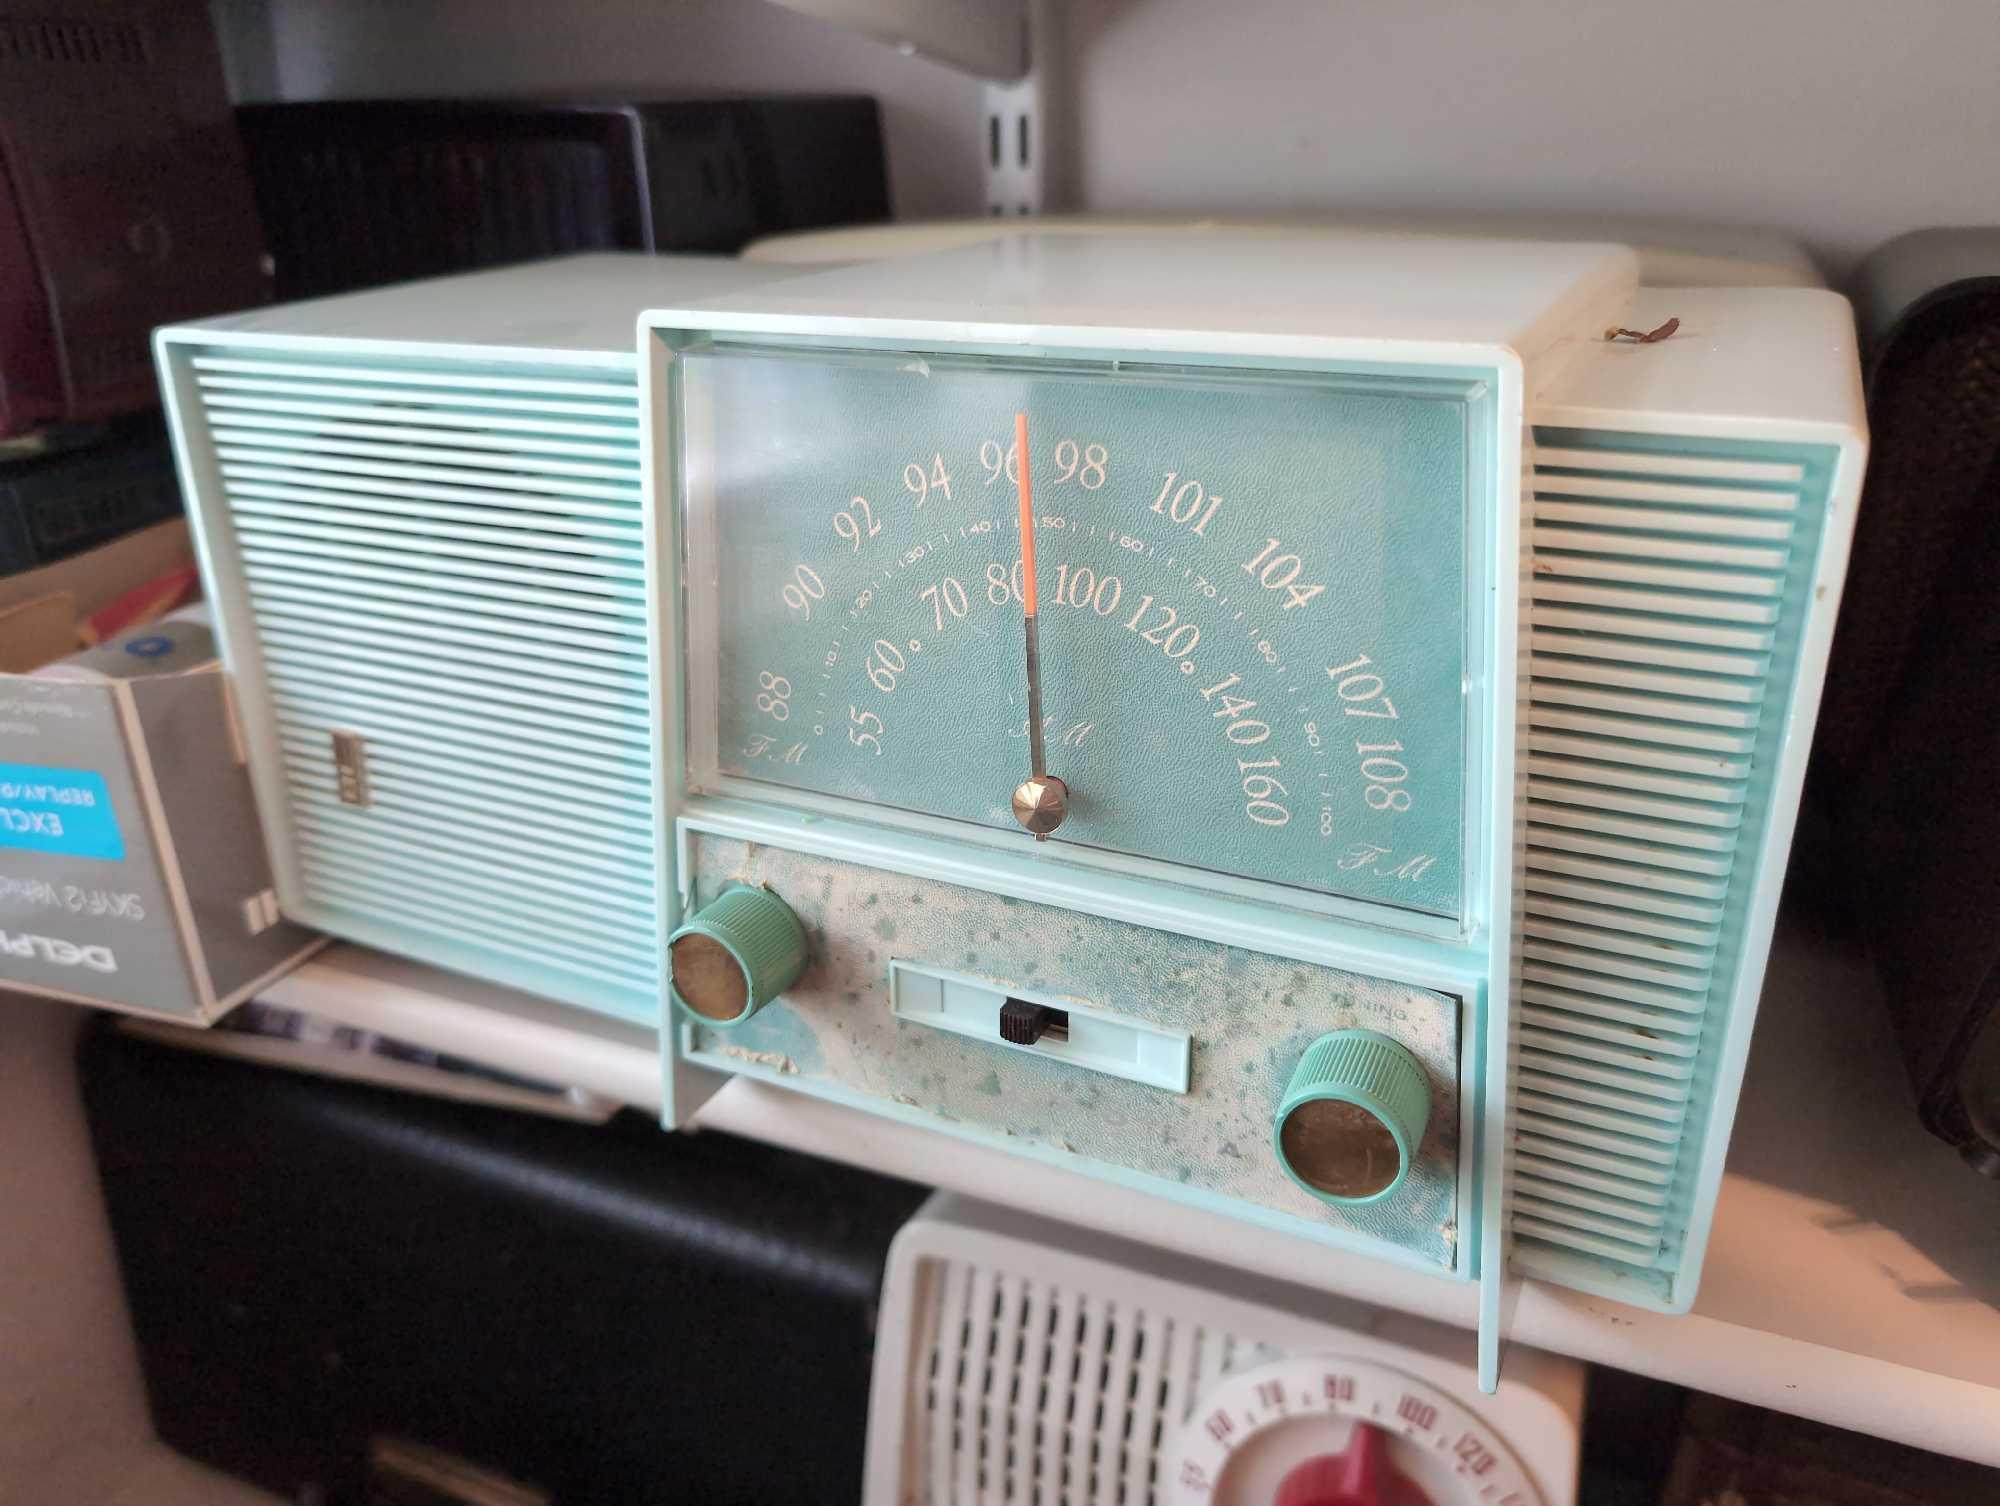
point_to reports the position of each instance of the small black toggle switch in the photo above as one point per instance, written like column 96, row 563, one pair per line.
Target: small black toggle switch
column 1023, row 1023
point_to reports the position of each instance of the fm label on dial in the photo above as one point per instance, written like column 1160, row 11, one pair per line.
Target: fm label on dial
column 1250, row 614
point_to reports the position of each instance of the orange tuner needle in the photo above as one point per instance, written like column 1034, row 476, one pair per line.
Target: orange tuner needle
column 1026, row 491
column 1043, row 800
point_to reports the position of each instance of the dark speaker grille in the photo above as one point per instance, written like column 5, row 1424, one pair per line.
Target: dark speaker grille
column 347, row 214
column 360, row 193
column 28, row 39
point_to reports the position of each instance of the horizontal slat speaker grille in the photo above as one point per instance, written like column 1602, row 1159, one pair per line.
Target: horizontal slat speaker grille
column 1664, row 598
column 447, row 560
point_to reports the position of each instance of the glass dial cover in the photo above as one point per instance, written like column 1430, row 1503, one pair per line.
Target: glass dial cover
column 1254, row 617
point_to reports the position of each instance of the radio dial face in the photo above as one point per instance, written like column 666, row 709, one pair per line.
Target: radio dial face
column 1254, row 621
column 1324, row 1430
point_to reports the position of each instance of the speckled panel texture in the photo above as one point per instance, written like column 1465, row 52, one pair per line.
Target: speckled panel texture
column 1251, row 1017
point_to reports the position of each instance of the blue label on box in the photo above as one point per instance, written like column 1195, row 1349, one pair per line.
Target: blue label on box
column 66, row 811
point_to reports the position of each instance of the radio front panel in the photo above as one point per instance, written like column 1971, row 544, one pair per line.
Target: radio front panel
column 1250, row 969
column 1318, row 742
column 901, row 1010
column 1259, row 633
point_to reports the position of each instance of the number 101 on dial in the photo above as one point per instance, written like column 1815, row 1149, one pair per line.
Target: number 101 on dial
column 1252, row 619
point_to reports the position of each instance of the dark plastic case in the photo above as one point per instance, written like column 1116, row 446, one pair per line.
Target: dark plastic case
column 357, row 193
column 1904, row 765
column 320, row 1270
column 54, row 506
column 123, row 202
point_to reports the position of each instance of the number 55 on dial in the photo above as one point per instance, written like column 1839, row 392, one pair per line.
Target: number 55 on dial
column 866, row 731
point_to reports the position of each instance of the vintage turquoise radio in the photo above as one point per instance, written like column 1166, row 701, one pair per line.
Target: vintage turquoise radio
column 1307, row 725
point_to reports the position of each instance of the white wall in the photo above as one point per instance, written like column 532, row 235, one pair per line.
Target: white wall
column 1843, row 123
column 1840, row 122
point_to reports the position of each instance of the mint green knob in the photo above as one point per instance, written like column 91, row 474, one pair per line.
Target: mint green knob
column 735, row 955
column 1352, row 1117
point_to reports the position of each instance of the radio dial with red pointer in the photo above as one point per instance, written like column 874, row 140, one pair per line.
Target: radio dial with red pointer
column 1323, row 1430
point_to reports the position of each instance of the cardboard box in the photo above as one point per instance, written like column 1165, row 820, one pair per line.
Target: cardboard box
column 133, row 872
column 40, row 610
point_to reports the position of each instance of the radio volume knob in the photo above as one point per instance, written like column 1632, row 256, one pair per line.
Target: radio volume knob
column 735, row 955
column 1352, row 1117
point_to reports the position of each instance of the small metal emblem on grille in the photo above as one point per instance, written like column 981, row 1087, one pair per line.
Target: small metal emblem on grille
column 350, row 762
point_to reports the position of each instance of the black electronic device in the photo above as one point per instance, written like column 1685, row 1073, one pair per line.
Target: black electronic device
column 123, row 201
column 357, row 193
column 1909, row 738
column 331, row 1279
column 55, row 505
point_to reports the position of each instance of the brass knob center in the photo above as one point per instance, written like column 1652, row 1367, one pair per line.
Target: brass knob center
column 1041, row 803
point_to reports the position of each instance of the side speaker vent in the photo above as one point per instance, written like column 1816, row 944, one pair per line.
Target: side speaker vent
column 1667, row 586
column 1037, row 1394
column 444, row 571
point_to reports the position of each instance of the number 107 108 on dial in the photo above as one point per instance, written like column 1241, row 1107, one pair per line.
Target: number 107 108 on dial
column 1253, row 615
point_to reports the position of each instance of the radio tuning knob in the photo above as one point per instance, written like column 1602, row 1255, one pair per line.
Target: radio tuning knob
column 735, row 955
column 1352, row 1117
column 1359, row 1475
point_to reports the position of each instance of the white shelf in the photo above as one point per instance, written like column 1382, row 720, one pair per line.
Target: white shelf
column 1852, row 1275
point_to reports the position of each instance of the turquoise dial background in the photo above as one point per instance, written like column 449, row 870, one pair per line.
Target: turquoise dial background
column 1364, row 480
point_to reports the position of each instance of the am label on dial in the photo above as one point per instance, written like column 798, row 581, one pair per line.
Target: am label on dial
column 1253, row 612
